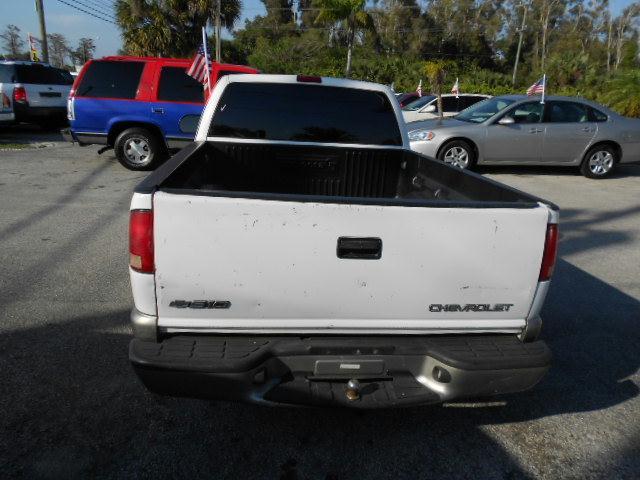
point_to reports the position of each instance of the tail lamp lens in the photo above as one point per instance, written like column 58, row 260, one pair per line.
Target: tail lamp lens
column 550, row 253
column 141, row 241
column 20, row 95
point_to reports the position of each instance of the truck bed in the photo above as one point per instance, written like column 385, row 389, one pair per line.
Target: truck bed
column 385, row 176
column 286, row 234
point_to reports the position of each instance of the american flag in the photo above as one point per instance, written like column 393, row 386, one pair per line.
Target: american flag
column 537, row 87
column 198, row 69
column 456, row 88
column 419, row 89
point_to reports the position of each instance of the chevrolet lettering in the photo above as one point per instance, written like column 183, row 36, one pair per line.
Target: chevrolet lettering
column 470, row 307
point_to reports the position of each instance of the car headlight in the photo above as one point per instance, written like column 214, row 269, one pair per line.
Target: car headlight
column 421, row 135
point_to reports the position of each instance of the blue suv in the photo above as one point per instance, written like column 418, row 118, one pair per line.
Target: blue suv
column 142, row 107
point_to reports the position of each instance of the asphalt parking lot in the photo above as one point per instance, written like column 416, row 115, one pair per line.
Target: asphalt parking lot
column 72, row 408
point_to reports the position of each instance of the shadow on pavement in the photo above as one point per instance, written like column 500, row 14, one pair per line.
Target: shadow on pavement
column 73, row 408
column 28, row 133
column 71, row 194
column 622, row 170
column 581, row 230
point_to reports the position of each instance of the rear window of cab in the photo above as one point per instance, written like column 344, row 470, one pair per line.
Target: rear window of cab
column 104, row 79
column 305, row 113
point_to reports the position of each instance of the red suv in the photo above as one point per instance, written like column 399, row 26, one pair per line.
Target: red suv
column 140, row 106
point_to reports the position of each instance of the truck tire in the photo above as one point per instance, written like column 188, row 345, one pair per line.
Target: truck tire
column 458, row 153
column 599, row 162
column 139, row 149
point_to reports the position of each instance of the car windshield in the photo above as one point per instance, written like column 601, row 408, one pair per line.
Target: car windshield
column 418, row 103
column 484, row 110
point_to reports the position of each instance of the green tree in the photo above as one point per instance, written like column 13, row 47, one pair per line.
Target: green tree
column 350, row 12
column 13, row 44
column 58, row 49
column 583, row 48
column 169, row 27
column 436, row 72
column 84, row 51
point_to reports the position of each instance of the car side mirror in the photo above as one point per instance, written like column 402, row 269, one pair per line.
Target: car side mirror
column 429, row 108
column 506, row 120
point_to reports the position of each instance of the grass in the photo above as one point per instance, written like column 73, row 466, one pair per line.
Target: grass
column 13, row 146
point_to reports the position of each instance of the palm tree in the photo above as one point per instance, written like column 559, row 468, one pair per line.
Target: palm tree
column 436, row 72
column 229, row 10
column 351, row 12
column 169, row 27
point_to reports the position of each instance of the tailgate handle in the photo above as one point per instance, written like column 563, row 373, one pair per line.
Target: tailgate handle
column 368, row 248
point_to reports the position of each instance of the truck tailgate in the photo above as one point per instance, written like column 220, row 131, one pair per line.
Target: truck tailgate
column 242, row 264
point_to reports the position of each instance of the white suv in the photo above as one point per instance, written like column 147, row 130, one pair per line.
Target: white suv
column 35, row 92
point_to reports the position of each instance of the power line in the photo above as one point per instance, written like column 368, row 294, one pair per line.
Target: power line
column 102, row 8
column 86, row 12
column 316, row 9
column 292, row 27
column 103, row 5
column 93, row 9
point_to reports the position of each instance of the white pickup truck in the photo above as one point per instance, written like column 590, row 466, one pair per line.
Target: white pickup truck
column 299, row 253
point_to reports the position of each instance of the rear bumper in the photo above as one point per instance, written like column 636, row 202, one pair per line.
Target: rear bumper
column 27, row 113
column 7, row 118
column 392, row 371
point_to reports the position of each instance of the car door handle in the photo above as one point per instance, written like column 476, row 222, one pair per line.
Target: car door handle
column 157, row 110
column 369, row 248
column 587, row 129
column 535, row 130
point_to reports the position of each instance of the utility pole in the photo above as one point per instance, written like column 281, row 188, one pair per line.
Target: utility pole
column 218, row 28
column 515, row 65
column 43, row 31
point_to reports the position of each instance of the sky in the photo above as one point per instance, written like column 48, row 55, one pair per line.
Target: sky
column 74, row 24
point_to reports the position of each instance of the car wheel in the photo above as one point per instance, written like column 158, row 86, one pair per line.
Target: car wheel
column 139, row 149
column 599, row 162
column 458, row 153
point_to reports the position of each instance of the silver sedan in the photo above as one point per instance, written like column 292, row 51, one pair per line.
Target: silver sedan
column 520, row 130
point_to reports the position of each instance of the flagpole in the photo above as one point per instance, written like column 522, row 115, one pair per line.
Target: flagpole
column 544, row 87
column 206, row 56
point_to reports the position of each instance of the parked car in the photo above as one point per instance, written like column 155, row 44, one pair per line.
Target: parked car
column 426, row 107
column 520, row 130
column 38, row 92
column 406, row 98
column 142, row 107
column 6, row 108
column 299, row 253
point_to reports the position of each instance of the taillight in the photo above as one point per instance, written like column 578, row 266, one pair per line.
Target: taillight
column 20, row 95
column 309, row 79
column 71, row 112
column 550, row 253
column 141, row 240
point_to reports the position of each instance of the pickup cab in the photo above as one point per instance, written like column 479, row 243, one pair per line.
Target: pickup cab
column 297, row 254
